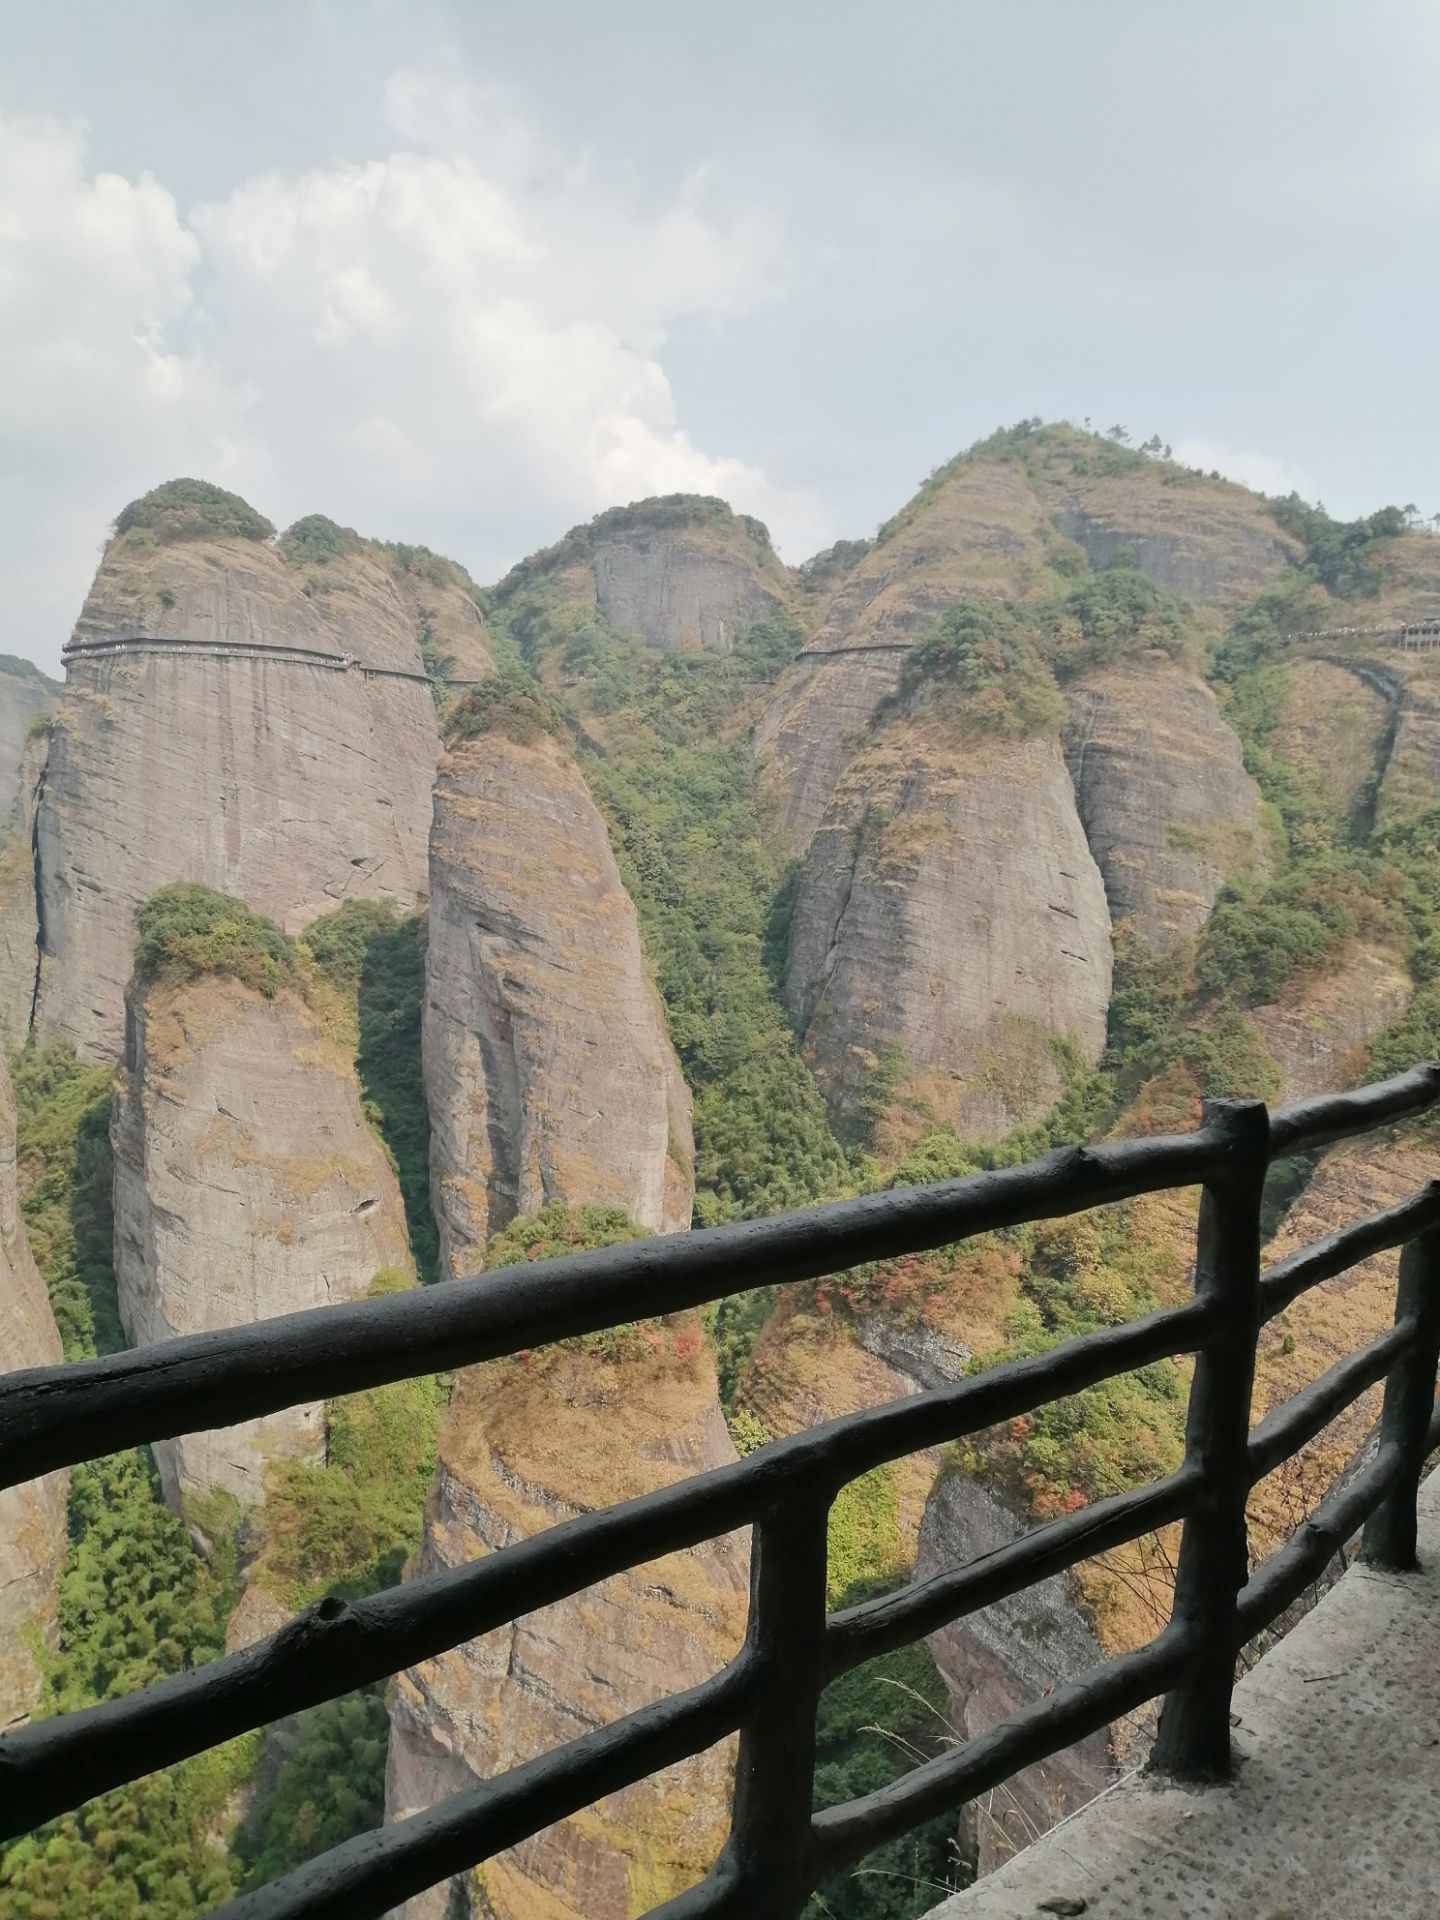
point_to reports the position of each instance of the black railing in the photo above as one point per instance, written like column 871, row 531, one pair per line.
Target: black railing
column 779, row 1849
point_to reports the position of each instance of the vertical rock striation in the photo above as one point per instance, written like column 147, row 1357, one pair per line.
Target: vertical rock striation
column 981, row 530
column 27, row 699
column 552, row 1084
column 1318, row 1033
column 247, row 1184
column 529, row 1444
column 33, row 1536
column 548, row 1069
column 681, row 573
column 950, row 928
column 235, row 748
column 19, row 898
column 1168, row 809
column 1004, row 1658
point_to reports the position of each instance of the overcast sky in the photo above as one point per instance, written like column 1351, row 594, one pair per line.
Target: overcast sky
column 465, row 275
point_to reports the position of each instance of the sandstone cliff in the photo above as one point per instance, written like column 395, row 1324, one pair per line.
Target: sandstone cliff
column 27, row 697
column 1005, row 1657
column 247, row 1184
column 950, row 927
column 811, row 1365
column 981, row 530
column 682, row 573
column 19, row 900
column 1334, row 727
column 1168, row 809
column 548, row 1070
column 529, row 1443
column 1003, row 519
column 1210, row 540
column 1319, row 1032
column 33, row 1536
column 275, row 777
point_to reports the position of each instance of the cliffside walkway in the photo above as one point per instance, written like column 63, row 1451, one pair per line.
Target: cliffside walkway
column 1368, row 1775
column 81, row 652
column 1334, row 1811
column 1415, row 636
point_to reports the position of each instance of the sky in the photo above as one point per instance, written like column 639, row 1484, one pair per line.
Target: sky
column 464, row 275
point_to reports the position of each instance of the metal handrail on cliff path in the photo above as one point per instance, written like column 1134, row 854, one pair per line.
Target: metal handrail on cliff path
column 779, row 1849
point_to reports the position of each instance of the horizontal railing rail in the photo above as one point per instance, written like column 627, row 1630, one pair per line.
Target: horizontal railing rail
column 779, row 1848
column 54, row 1416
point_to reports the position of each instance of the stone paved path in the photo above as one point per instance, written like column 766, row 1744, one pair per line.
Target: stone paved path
column 1335, row 1810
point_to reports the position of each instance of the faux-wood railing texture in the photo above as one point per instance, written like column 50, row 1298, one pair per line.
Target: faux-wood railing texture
column 779, row 1848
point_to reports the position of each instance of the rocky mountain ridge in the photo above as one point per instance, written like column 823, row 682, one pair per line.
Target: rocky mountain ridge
column 1037, row 801
column 549, row 1072
column 247, row 1185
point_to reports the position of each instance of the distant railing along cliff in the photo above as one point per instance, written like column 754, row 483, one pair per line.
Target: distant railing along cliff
column 1416, row 636
column 779, row 1849
column 123, row 645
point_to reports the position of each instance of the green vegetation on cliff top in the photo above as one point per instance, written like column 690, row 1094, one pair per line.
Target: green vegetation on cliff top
column 192, row 510
column 187, row 931
column 663, row 513
column 661, row 741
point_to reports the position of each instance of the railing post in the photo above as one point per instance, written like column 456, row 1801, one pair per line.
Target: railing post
column 768, row 1855
column 1389, row 1536
column 1193, row 1740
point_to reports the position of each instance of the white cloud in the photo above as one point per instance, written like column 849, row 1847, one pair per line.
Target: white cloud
column 1266, row 472
column 467, row 331
column 102, row 396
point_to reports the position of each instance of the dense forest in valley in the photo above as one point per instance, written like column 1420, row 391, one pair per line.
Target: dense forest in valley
column 1342, row 869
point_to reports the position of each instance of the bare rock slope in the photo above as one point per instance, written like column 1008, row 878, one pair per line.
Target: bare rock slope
column 247, row 1184
column 527, row 1446
column 1003, row 1658
column 682, row 573
column 950, row 926
column 33, row 1535
column 548, row 1069
column 1004, row 519
column 1168, row 809
column 980, row 531
column 27, row 698
column 19, row 906
column 282, row 777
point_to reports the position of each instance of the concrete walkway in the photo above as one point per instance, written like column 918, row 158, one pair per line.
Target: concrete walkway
column 1335, row 1809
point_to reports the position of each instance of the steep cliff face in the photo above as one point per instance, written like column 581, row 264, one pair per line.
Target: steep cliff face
column 1216, row 544
column 27, row 696
column 980, row 531
column 1003, row 519
column 247, row 1184
column 1410, row 771
column 1168, row 809
column 950, row 926
column 1009, row 1654
column 1334, row 726
column 33, row 1536
column 19, row 897
column 682, row 573
column 527, row 1445
column 809, row 1367
column 1318, row 1033
column 548, row 1070
column 272, row 776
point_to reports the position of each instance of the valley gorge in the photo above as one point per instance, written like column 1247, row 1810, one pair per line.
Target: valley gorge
column 362, row 928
